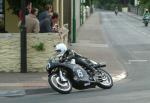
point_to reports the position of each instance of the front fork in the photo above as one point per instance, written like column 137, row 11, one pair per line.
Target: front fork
column 62, row 78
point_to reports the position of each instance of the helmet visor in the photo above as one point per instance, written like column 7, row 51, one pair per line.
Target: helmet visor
column 58, row 51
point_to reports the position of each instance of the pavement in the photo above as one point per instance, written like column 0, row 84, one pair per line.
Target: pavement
column 91, row 42
column 134, row 15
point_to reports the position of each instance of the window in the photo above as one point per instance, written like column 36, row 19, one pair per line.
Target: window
column 1, row 17
column 1, row 6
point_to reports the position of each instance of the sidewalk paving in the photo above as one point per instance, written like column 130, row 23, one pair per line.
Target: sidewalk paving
column 17, row 84
column 91, row 43
column 134, row 15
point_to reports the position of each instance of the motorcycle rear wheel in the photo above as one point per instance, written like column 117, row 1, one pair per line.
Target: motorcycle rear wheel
column 105, row 80
column 146, row 24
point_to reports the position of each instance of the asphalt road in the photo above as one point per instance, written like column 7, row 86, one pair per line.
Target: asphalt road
column 130, row 40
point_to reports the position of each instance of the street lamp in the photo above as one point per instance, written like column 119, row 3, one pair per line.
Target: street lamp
column 81, row 12
column 23, row 40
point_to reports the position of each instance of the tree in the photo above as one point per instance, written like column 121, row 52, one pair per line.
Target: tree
column 131, row 2
column 108, row 4
column 145, row 4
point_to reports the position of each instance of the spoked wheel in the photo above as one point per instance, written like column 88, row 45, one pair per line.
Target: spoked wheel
column 104, row 79
column 58, row 85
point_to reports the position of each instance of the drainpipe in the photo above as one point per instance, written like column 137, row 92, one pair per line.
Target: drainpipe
column 74, row 21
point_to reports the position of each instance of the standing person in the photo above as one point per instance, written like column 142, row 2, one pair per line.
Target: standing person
column 27, row 11
column 48, row 12
column 49, row 25
column 116, row 10
column 32, row 23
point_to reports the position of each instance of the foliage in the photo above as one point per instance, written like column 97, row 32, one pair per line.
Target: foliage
column 15, row 5
column 39, row 46
column 110, row 4
column 131, row 2
column 145, row 4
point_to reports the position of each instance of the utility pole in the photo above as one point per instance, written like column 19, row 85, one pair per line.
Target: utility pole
column 91, row 6
column 81, row 12
column 74, row 21
column 23, row 40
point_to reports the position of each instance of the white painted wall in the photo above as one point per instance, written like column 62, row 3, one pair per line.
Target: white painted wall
column 136, row 2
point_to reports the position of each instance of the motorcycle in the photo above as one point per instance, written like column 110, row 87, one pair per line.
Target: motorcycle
column 72, row 70
column 146, row 20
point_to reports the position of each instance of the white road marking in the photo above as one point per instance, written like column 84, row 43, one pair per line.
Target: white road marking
column 139, row 61
column 44, row 84
column 93, row 45
column 120, row 77
column 136, row 52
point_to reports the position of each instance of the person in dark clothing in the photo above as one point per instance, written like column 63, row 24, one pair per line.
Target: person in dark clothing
column 27, row 11
column 146, row 14
column 48, row 12
column 45, row 25
column 49, row 25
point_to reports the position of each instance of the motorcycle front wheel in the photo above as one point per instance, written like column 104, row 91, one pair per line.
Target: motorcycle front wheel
column 58, row 85
column 104, row 79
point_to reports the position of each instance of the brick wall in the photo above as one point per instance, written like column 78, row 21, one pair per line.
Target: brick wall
column 37, row 60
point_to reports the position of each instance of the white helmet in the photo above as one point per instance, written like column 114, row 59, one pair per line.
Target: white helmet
column 61, row 48
column 146, row 9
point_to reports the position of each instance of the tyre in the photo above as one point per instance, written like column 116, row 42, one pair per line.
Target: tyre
column 58, row 85
column 146, row 24
column 104, row 79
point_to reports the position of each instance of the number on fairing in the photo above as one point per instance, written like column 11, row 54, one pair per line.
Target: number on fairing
column 80, row 74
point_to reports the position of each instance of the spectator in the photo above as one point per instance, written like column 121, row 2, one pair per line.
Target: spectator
column 32, row 23
column 27, row 11
column 49, row 25
column 48, row 12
